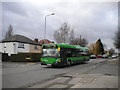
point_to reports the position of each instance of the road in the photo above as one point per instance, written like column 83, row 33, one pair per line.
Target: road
column 24, row 75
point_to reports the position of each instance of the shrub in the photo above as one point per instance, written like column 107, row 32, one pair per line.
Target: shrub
column 26, row 57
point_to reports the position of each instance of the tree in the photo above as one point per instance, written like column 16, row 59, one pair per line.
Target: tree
column 99, row 49
column 36, row 39
column 111, row 52
column 80, row 41
column 64, row 34
column 117, row 39
column 92, row 48
column 71, row 39
column 83, row 42
column 105, row 47
column 9, row 33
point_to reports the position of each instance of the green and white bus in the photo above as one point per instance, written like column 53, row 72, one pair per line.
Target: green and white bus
column 63, row 54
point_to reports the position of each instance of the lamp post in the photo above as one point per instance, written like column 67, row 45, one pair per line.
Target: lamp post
column 45, row 25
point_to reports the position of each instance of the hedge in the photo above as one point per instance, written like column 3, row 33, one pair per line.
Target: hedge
column 5, row 57
column 26, row 57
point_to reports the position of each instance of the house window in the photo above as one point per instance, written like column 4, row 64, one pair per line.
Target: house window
column 36, row 47
column 20, row 45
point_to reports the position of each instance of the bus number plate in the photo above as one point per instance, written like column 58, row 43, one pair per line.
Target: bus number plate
column 49, row 64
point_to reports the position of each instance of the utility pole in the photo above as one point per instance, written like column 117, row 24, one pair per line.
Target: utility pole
column 80, row 40
column 45, row 25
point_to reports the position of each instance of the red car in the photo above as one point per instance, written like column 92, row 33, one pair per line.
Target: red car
column 99, row 56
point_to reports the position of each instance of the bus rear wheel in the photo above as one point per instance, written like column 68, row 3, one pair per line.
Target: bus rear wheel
column 84, row 61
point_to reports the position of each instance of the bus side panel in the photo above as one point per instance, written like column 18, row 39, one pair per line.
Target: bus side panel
column 63, row 56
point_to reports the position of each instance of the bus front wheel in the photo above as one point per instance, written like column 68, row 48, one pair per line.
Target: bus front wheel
column 68, row 63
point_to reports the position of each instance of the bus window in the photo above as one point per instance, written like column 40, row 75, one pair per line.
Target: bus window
column 68, row 54
column 85, row 53
column 50, row 52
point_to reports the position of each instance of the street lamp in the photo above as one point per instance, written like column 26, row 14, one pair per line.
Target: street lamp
column 45, row 25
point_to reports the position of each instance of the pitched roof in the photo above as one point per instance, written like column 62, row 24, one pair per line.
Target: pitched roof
column 44, row 41
column 19, row 38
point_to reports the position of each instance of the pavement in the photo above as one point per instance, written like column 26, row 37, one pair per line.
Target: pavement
column 83, row 80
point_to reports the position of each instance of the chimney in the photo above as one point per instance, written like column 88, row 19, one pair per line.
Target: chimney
column 52, row 42
column 36, row 40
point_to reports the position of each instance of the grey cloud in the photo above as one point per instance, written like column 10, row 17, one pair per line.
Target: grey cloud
column 91, row 20
column 14, row 7
column 21, row 24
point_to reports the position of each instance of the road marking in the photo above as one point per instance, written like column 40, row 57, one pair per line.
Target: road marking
column 31, row 63
column 28, row 64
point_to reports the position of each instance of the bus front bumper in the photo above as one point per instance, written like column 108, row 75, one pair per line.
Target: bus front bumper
column 42, row 63
column 53, row 64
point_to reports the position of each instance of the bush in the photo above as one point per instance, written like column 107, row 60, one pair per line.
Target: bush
column 26, row 57
column 5, row 57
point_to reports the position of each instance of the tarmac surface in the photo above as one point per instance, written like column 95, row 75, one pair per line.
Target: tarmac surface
column 97, row 73
column 84, row 80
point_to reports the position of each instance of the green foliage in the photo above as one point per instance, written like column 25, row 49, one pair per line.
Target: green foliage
column 92, row 48
column 99, row 49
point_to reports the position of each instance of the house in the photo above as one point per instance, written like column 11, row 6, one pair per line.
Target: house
column 19, row 44
column 45, row 41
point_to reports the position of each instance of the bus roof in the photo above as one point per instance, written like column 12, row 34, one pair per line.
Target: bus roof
column 68, row 46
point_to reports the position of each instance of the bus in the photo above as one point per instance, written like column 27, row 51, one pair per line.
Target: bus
column 63, row 54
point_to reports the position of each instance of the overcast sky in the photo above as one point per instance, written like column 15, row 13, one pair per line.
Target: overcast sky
column 91, row 20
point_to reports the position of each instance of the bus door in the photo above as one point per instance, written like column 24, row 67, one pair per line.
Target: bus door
column 63, row 55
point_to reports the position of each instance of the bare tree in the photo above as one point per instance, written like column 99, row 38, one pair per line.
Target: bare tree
column 71, row 39
column 105, row 46
column 117, row 39
column 64, row 34
column 111, row 52
column 80, row 41
column 9, row 33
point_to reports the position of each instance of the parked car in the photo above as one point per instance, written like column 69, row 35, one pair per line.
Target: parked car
column 99, row 56
column 105, row 56
column 114, row 56
column 92, row 56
